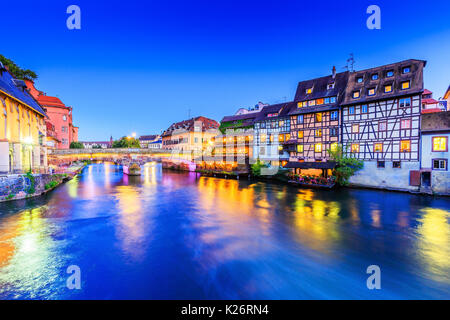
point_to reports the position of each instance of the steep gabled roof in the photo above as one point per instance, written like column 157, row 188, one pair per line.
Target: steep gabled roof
column 415, row 76
column 319, row 87
column 16, row 89
column 188, row 125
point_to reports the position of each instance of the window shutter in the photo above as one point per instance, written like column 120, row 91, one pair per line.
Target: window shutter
column 414, row 178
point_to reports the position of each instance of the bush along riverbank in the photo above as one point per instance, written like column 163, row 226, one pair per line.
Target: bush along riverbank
column 22, row 186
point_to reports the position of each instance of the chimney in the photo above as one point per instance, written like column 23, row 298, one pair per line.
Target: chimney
column 333, row 72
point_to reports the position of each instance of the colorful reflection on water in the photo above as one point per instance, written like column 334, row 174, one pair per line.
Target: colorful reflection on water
column 168, row 235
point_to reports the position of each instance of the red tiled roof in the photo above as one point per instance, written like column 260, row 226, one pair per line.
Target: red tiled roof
column 431, row 110
column 426, row 91
column 50, row 101
column 429, row 101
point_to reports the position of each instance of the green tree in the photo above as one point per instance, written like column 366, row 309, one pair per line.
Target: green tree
column 257, row 166
column 126, row 142
column 346, row 166
column 17, row 71
column 76, row 145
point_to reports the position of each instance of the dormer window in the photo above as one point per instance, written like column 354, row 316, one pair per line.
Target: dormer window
column 388, row 88
column 389, row 73
column 406, row 70
column 374, row 76
column 330, row 86
column 359, row 79
column 406, row 85
column 371, row 92
column 355, row 94
column 309, row 91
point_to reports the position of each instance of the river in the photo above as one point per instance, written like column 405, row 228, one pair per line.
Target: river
column 169, row 235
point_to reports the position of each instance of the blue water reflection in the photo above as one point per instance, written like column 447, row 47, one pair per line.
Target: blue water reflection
column 167, row 235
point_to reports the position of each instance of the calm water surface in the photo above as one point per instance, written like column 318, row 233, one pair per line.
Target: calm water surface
column 169, row 235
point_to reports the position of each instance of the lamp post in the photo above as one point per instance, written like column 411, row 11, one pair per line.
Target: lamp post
column 28, row 141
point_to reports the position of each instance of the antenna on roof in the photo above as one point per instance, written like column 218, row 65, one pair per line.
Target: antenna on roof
column 350, row 63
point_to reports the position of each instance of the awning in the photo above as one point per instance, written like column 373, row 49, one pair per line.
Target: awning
column 310, row 165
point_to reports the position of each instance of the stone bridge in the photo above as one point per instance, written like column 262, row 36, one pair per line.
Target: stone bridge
column 66, row 157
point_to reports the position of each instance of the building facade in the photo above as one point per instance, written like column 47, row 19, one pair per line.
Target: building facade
column 150, row 141
column 381, row 123
column 189, row 138
column 22, row 128
column 59, row 115
column 434, row 176
column 271, row 130
column 316, row 124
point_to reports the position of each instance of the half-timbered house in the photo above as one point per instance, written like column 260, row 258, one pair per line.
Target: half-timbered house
column 315, row 123
column 381, row 123
column 272, row 129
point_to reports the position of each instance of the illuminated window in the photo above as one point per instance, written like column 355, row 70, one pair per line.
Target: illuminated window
column 355, row 128
column 300, row 104
column 355, row 94
column 318, row 117
column 364, row 108
column 405, row 124
column 388, row 88
column 334, row 146
column 308, row 91
column 299, row 148
column 280, row 148
column 318, row 147
column 281, row 123
column 311, row 103
column 403, row 103
column 378, row 147
column 405, row 146
column 382, row 126
column 300, row 134
column 319, row 101
column 406, row 85
column 371, row 92
column 288, row 136
column 263, row 138
column 281, row 138
column 440, row 144
column 318, row 133
column 355, row 148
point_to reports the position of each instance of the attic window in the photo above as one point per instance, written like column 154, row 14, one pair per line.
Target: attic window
column 359, row 79
column 406, row 85
column 406, row 70
column 355, row 94
column 308, row 91
column 388, row 88
column 371, row 92
column 375, row 76
column 330, row 86
column 389, row 73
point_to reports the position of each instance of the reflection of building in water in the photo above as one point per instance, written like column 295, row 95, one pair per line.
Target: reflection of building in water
column 28, row 254
column 433, row 245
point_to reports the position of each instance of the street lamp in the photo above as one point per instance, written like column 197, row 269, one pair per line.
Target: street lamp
column 28, row 141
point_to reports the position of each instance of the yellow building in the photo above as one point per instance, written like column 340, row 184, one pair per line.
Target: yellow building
column 190, row 138
column 22, row 128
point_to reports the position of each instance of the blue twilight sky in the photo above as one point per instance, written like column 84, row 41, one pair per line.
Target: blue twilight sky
column 138, row 66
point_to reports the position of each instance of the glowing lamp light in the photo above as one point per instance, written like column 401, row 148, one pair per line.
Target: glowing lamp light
column 28, row 140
